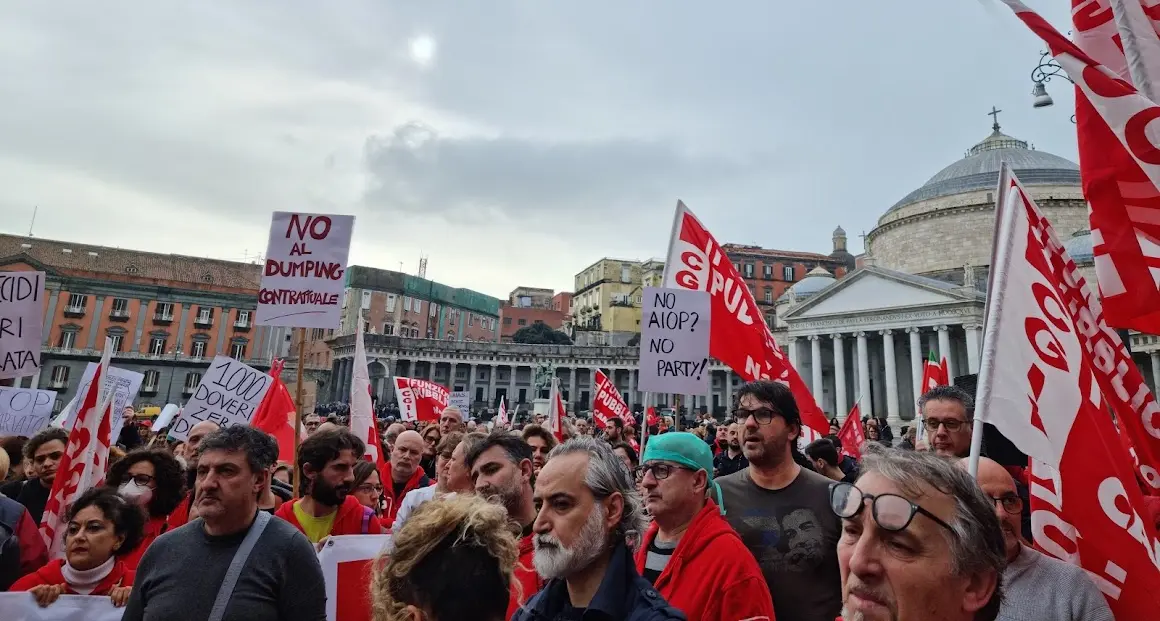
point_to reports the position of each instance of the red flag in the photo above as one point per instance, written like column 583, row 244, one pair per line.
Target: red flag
column 420, row 399
column 738, row 334
column 276, row 414
column 362, row 413
column 607, row 404
column 556, row 411
column 1125, row 226
column 851, row 434
column 1039, row 385
column 85, row 459
column 501, row 417
column 934, row 374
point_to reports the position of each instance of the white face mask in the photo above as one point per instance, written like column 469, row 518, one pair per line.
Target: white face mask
column 136, row 494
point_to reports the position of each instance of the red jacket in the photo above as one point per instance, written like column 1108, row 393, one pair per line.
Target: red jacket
column 711, row 576
column 525, row 576
column 392, row 504
column 154, row 528
column 50, row 574
column 180, row 515
column 352, row 516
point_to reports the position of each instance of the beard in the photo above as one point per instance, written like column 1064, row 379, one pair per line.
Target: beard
column 553, row 560
column 330, row 496
column 508, row 494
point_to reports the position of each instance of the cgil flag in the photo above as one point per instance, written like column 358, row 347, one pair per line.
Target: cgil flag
column 85, row 459
column 420, row 399
column 738, row 335
column 607, row 403
column 1038, row 385
column 851, row 433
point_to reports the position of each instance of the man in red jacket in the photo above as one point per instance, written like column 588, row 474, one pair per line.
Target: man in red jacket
column 326, row 466
column 692, row 556
column 501, row 467
column 402, row 474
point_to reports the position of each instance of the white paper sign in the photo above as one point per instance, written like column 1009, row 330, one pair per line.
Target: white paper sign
column 25, row 411
column 21, row 323
column 22, row 607
column 674, row 341
column 345, row 549
column 462, row 400
column 304, row 275
column 126, row 384
column 229, row 393
column 165, row 417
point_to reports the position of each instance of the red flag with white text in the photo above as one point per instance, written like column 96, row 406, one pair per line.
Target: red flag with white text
column 607, row 403
column 738, row 334
column 851, row 433
column 1039, row 385
column 1121, row 171
column 420, row 400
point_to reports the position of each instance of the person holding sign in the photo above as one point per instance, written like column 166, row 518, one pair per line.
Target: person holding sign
column 102, row 529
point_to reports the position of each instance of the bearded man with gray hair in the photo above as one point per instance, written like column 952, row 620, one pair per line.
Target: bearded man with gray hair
column 920, row 541
column 588, row 521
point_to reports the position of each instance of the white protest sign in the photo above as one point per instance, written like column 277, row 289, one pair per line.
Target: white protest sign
column 125, row 385
column 462, row 400
column 25, row 411
column 165, row 417
column 228, row 394
column 354, row 553
column 21, row 606
column 21, row 323
column 304, row 277
column 674, row 341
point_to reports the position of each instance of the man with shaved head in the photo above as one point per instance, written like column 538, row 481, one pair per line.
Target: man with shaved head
column 185, row 511
column 1035, row 585
column 403, row 473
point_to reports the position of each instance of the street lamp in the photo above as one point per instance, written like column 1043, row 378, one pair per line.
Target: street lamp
column 172, row 372
column 1041, row 75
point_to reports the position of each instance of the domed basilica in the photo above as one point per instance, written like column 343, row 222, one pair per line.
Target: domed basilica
column 921, row 285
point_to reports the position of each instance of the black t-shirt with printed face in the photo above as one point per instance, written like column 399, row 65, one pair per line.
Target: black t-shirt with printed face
column 793, row 534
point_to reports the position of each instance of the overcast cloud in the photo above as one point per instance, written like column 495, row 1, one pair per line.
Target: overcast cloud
column 515, row 142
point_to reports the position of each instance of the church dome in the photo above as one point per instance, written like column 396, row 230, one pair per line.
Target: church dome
column 979, row 170
column 814, row 282
column 1079, row 247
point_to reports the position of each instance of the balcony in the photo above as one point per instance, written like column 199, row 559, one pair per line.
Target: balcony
column 242, row 325
column 203, row 322
column 58, row 384
column 119, row 315
column 74, row 311
column 148, row 389
column 163, row 318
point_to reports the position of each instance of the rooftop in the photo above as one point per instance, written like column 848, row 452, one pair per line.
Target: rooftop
column 773, row 253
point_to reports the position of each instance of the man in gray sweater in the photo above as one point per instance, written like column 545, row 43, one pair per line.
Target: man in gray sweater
column 257, row 567
column 1035, row 585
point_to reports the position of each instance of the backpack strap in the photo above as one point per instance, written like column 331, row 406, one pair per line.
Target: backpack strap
column 235, row 571
column 366, row 520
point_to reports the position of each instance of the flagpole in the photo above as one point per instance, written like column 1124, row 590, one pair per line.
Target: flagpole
column 298, row 408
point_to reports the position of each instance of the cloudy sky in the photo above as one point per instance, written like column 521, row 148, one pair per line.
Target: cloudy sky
column 514, row 142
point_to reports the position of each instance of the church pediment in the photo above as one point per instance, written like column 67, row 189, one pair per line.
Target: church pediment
column 873, row 289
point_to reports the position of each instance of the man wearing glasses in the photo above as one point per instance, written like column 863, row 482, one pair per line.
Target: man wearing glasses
column 920, row 541
column 1035, row 585
column 781, row 510
column 948, row 412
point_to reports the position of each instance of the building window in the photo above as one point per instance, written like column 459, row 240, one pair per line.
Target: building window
column 749, row 270
column 470, row 319
column 157, row 346
column 391, row 299
column 191, row 382
column 243, row 320
column 198, row 349
column 507, row 321
column 523, row 322
column 204, row 316
column 431, row 308
column 366, row 300
column 238, row 351
column 769, row 272
column 77, row 302
column 116, row 340
column 150, row 381
column 164, row 311
column 59, row 376
column 406, row 304
column 787, row 273
column 68, row 339
column 388, row 329
column 120, row 308
column 367, row 328
column 769, row 295
column 625, row 273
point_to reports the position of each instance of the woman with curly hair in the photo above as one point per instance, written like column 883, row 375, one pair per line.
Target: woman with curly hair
column 102, row 529
column 154, row 480
column 451, row 560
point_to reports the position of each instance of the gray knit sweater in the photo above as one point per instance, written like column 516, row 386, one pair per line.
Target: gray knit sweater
column 1038, row 587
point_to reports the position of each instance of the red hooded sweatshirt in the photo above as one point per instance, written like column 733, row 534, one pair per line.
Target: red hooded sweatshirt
column 711, row 576
column 390, row 501
column 525, row 576
column 352, row 519
column 51, row 574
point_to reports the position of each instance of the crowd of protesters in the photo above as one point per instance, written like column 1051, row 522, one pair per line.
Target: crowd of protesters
column 725, row 522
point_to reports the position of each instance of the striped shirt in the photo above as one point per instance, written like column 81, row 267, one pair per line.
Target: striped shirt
column 659, row 553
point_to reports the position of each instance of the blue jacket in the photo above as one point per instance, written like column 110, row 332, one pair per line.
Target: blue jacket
column 623, row 595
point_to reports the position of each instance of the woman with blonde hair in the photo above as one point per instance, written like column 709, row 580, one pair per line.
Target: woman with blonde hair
column 452, row 560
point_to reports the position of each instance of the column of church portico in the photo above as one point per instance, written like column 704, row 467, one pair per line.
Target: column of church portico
column 573, row 399
column 512, row 395
column 631, row 388
column 891, row 378
column 840, row 406
column 471, row 382
column 916, row 362
column 974, row 342
column 816, row 367
column 863, row 396
column 490, row 396
column 944, row 350
column 793, row 356
column 728, row 390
